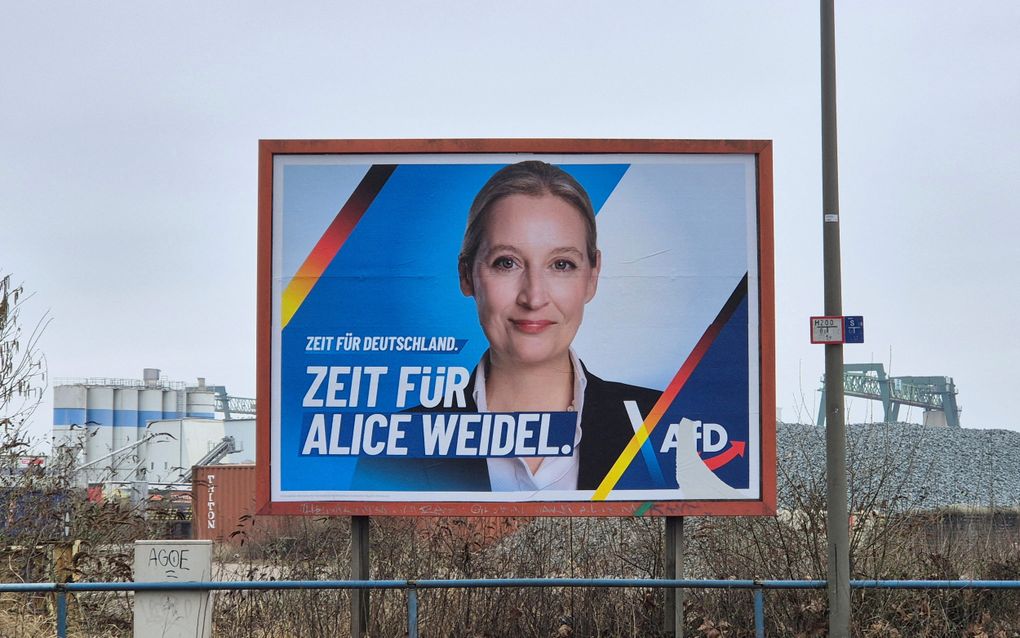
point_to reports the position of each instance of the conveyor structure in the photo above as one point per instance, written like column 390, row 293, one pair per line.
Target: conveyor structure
column 869, row 381
column 230, row 406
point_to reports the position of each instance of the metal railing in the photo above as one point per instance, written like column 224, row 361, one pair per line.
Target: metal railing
column 412, row 587
column 141, row 384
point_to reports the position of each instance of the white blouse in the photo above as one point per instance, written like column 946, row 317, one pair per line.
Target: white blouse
column 555, row 472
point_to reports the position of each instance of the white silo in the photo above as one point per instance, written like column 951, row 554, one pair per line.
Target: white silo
column 171, row 399
column 201, row 402
column 69, row 404
column 99, row 422
column 150, row 407
column 125, row 430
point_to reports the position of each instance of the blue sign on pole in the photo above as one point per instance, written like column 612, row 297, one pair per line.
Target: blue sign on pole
column 853, row 329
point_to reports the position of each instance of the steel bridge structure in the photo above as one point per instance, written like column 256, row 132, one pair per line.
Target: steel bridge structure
column 869, row 381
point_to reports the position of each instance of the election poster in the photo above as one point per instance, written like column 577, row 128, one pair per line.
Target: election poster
column 516, row 327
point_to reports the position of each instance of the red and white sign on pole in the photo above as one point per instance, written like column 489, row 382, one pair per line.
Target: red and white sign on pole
column 826, row 329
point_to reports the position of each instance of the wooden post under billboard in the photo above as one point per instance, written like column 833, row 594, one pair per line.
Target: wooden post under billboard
column 360, row 543
column 673, row 613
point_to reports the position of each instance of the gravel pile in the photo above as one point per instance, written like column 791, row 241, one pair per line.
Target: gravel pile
column 904, row 465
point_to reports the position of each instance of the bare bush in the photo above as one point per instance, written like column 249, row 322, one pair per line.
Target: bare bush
column 464, row 548
column 49, row 530
column 893, row 535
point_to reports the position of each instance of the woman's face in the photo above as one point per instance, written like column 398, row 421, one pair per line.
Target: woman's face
column 531, row 279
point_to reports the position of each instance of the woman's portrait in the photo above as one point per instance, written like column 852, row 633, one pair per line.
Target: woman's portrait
column 605, row 306
column 530, row 260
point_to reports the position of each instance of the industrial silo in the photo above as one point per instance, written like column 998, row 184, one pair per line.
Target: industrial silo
column 125, row 430
column 69, row 404
column 171, row 400
column 201, row 402
column 108, row 418
column 99, row 422
column 150, row 407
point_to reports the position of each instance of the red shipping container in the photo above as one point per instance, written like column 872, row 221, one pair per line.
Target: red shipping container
column 223, row 505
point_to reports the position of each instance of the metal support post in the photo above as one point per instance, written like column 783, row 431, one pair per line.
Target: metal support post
column 61, row 613
column 759, row 613
column 412, row 613
column 673, row 614
column 837, row 518
column 359, row 571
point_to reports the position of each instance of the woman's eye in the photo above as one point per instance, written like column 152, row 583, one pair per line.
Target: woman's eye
column 503, row 263
column 563, row 265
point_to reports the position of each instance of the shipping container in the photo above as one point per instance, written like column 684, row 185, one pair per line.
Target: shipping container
column 224, row 505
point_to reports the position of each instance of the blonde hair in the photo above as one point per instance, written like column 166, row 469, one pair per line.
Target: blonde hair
column 534, row 178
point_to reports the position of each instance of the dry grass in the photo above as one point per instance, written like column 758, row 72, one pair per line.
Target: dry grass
column 890, row 539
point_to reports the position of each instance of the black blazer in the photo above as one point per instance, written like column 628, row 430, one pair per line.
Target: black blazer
column 605, row 427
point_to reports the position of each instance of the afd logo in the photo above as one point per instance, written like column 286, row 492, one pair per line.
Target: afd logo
column 709, row 437
column 710, row 441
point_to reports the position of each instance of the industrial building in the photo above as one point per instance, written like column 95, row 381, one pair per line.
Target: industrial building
column 152, row 431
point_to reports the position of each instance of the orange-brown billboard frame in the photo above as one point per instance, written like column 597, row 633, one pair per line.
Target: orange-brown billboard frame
column 761, row 151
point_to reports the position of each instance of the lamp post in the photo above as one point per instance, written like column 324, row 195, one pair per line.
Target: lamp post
column 837, row 519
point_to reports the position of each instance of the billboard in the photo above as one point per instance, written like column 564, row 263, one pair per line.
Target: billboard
column 515, row 327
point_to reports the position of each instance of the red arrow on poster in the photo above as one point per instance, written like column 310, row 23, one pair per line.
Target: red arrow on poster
column 736, row 449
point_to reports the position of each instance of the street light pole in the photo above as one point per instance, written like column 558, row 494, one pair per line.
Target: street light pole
column 837, row 519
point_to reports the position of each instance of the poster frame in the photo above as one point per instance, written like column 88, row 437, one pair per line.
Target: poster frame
column 762, row 152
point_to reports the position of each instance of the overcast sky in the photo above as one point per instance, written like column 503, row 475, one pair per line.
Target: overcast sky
column 128, row 147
